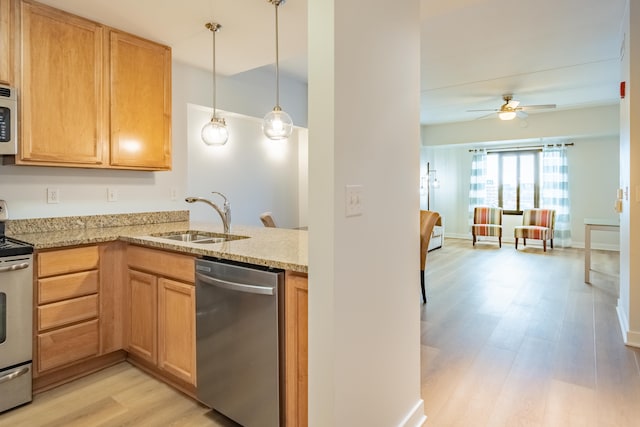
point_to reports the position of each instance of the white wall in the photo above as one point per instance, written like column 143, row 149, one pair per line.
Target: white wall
column 629, row 300
column 364, row 293
column 84, row 191
column 254, row 173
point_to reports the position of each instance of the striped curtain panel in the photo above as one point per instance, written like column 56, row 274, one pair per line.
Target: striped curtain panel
column 555, row 191
column 478, row 181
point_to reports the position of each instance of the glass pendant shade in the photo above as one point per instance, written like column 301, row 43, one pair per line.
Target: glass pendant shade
column 215, row 132
column 277, row 125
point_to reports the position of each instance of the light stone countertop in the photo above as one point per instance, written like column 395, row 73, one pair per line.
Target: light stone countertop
column 273, row 247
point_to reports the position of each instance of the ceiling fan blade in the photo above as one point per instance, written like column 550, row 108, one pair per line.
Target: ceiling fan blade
column 537, row 107
column 513, row 103
column 475, row 111
column 521, row 114
column 486, row 115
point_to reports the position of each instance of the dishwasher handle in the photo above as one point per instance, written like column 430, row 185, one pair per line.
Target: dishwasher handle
column 233, row 286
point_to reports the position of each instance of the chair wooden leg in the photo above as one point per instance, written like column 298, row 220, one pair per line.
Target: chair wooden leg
column 544, row 245
column 500, row 241
column 551, row 243
column 424, row 295
column 516, row 243
column 474, row 240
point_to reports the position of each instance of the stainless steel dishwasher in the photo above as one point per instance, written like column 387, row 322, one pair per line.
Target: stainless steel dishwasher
column 239, row 340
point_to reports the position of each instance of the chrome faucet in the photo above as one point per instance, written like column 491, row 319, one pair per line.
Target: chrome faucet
column 225, row 212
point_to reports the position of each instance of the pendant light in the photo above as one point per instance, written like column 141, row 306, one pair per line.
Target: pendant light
column 215, row 132
column 277, row 124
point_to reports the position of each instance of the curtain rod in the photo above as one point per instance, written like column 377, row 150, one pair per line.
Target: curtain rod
column 527, row 147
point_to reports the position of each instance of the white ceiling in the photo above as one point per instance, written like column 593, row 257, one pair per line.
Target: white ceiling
column 563, row 52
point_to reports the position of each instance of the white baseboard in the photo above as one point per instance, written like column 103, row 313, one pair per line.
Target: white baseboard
column 415, row 418
column 631, row 338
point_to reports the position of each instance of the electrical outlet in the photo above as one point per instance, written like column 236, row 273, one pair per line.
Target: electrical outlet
column 112, row 195
column 353, row 200
column 173, row 193
column 53, row 195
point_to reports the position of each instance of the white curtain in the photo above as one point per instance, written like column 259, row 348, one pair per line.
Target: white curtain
column 478, row 181
column 555, row 191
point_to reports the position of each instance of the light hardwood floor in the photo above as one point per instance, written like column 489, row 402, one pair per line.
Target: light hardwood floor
column 509, row 338
column 121, row 395
column 516, row 338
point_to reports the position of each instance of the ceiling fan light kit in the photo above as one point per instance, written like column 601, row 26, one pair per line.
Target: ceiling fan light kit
column 512, row 108
column 506, row 115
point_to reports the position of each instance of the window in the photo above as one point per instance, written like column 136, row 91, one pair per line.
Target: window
column 513, row 180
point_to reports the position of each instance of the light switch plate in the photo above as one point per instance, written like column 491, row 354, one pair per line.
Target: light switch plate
column 353, row 200
column 112, row 194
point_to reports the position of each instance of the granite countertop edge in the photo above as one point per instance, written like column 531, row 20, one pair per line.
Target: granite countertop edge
column 271, row 247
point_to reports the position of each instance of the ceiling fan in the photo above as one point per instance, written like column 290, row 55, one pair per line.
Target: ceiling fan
column 512, row 108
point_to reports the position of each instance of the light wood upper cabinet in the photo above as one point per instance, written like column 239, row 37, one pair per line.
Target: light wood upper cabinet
column 91, row 96
column 7, row 41
column 140, row 103
column 63, row 116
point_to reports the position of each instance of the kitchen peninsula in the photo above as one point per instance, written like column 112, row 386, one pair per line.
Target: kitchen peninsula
column 109, row 289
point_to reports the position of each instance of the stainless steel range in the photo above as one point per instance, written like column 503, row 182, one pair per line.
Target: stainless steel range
column 16, row 302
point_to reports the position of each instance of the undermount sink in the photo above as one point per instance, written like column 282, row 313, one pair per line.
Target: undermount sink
column 201, row 237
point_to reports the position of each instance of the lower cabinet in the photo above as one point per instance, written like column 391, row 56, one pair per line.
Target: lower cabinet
column 161, row 314
column 77, row 312
column 296, row 349
column 67, row 307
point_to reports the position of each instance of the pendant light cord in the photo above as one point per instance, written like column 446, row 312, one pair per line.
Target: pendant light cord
column 213, row 30
column 277, row 61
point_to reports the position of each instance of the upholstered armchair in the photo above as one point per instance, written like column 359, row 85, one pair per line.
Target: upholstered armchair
column 487, row 222
column 428, row 220
column 537, row 224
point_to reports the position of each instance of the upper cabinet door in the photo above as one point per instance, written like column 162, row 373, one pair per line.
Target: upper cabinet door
column 62, row 89
column 140, row 75
column 6, row 42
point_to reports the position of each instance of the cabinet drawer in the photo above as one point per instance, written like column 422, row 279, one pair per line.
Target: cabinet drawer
column 162, row 263
column 68, row 286
column 66, row 312
column 67, row 345
column 66, row 261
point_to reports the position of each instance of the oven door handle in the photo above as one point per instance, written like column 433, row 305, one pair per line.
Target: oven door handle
column 14, row 267
column 13, row 375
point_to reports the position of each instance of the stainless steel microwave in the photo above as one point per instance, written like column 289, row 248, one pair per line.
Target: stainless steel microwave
column 8, row 120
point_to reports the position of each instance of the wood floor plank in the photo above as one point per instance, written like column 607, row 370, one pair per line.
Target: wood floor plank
column 570, row 405
column 478, row 391
column 522, row 400
column 121, row 395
